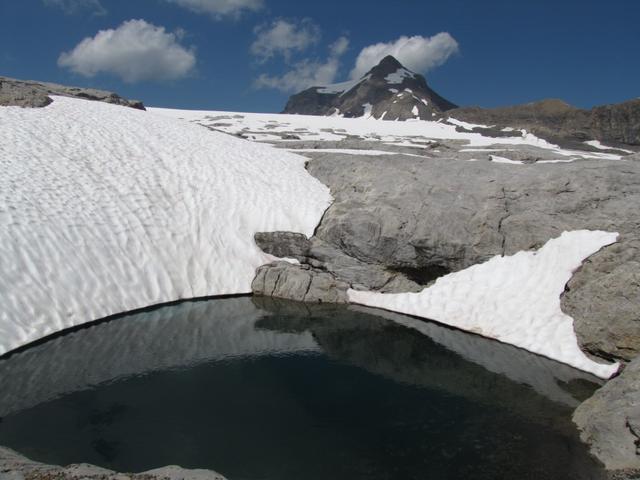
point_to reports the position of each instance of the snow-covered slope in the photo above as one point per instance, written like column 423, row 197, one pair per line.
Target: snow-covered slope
column 513, row 299
column 105, row 209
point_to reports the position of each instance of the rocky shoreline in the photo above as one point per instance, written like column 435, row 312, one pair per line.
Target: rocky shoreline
column 14, row 466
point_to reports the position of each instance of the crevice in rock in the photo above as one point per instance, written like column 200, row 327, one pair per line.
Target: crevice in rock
column 502, row 219
column 275, row 284
column 422, row 275
column 306, row 292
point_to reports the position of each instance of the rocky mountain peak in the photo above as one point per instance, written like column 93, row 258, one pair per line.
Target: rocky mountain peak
column 387, row 65
column 389, row 91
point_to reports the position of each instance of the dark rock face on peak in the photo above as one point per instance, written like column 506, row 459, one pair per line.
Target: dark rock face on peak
column 388, row 91
column 30, row 94
column 556, row 120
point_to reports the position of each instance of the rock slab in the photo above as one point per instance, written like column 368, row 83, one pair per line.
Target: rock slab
column 31, row 94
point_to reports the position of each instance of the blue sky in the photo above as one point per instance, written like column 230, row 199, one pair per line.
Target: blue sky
column 249, row 55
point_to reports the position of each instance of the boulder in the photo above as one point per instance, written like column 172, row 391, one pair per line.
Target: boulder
column 298, row 282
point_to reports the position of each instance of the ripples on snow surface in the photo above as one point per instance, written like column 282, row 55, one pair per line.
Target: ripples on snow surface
column 264, row 389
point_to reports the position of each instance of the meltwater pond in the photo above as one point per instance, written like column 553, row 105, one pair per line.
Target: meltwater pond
column 274, row 390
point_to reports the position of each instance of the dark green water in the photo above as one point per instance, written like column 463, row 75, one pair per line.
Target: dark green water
column 259, row 389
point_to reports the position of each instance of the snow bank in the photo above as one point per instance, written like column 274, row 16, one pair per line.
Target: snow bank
column 105, row 209
column 513, row 299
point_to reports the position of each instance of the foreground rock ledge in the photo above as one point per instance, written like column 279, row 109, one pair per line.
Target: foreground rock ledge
column 14, row 466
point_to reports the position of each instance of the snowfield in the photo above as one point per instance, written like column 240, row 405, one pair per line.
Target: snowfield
column 267, row 126
column 513, row 299
column 106, row 209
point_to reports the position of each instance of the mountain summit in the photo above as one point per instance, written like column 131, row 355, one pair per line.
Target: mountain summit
column 389, row 91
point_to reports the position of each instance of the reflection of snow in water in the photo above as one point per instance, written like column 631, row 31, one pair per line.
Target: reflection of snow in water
column 545, row 376
column 191, row 333
column 167, row 338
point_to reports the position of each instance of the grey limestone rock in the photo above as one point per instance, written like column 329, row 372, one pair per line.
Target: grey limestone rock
column 610, row 278
column 298, row 282
column 399, row 222
column 610, row 423
column 31, row 94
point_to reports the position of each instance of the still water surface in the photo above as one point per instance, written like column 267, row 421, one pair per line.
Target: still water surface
column 272, row 390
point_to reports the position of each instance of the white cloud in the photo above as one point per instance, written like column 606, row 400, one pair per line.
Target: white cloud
column 135, row 51
column 284, row 37
column 307, row 73
column 417, row 53
column 76, row 6
column 220, row 8
column 339, row 47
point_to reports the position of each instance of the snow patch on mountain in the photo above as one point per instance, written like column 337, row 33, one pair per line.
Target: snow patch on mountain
column 399, row 75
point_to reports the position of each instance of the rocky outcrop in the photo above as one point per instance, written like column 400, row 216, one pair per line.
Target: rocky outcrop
column 399, row 222
column 558, row 121
column 610, row 277
column 388, row 91
column 14, row 466
column 299, row 282
column 610, row 423
column 30, row 94
column 397, row 225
